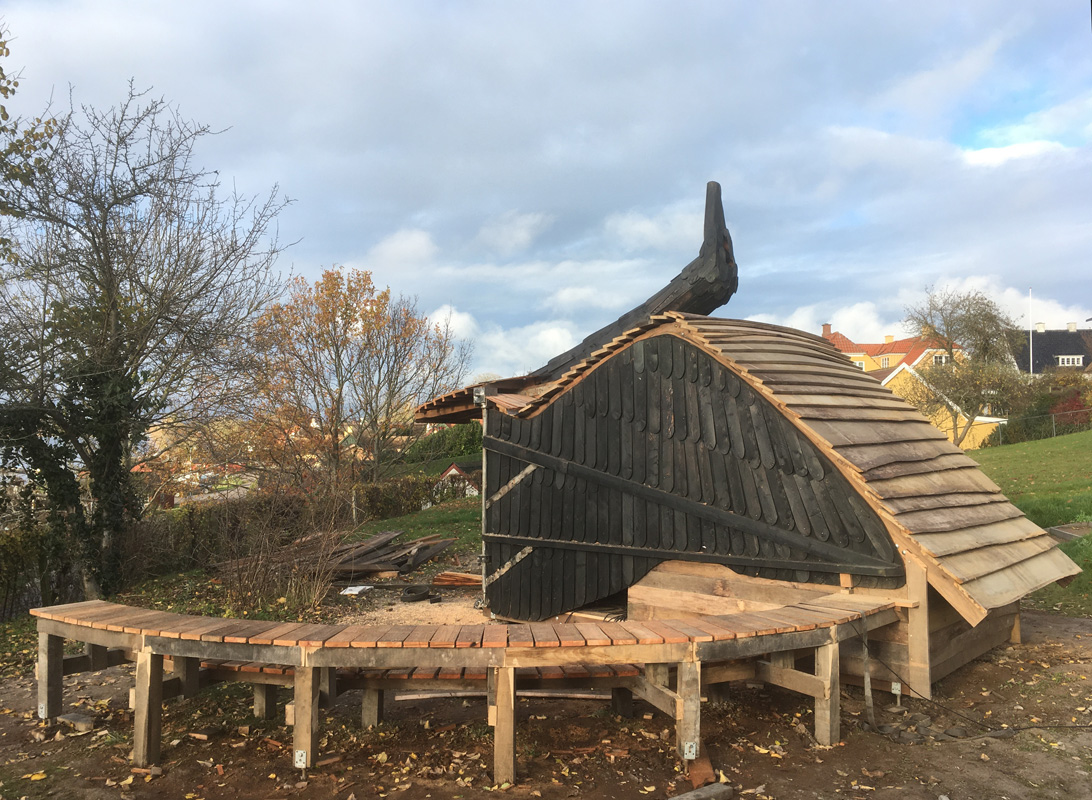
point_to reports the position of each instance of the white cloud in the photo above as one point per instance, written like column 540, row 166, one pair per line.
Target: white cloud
column 994, row 156
column 513, row 232
column 519, row 350
column 671, row 229
column 861, row 322
column 462, row 323
column 1068, row 120
column 931, row 91
column 404, row 249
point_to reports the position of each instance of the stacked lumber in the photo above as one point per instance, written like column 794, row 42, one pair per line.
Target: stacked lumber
column 457, row 579
column 348, row 561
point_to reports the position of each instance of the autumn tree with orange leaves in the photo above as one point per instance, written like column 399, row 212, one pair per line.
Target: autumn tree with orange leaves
column 345, row 365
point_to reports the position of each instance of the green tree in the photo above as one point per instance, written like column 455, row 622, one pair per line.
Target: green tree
column 979, row 373
column 126, row 299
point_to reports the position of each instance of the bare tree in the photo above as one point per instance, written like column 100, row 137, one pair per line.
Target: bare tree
column 979, row 372
column 127, row 300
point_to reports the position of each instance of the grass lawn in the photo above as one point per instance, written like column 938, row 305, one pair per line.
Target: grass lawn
column 458, row 519
column 1051, row 481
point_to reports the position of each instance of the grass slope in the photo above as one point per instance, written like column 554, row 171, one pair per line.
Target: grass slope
column 1050, row 480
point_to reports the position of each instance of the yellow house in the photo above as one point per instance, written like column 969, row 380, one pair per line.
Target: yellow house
column 901, row 379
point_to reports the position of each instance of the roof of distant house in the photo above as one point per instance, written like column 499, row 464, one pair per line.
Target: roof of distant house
column 1049, row 345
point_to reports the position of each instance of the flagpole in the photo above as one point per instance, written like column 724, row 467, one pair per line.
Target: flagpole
column 1031, row 338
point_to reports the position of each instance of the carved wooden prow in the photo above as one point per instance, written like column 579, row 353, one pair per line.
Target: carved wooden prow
column 704, row 285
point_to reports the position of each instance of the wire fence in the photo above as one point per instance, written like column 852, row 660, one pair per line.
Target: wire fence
column 1040, row 426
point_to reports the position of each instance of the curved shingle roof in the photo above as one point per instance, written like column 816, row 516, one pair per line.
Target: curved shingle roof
column 979, row 551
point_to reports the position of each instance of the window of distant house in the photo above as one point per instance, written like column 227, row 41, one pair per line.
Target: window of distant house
column 858, row 364
column 941, row 358
column 1070, row 361
column 885, row 362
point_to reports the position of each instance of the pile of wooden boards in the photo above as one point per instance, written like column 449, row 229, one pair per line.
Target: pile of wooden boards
column 457, row 579
column 380, row 555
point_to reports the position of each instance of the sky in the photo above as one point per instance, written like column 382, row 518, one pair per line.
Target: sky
column 529, row 171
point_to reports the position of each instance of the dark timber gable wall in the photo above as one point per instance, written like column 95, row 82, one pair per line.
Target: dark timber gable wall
column 661, row 452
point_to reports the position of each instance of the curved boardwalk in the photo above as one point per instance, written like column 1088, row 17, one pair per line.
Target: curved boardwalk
column 676, row 657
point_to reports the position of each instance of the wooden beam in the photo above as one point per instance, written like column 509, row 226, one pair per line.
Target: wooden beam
column 50, row 673
column 792, row 679
column 305, row 705
column 504, row 731
column 501, row 492
column 148, row 716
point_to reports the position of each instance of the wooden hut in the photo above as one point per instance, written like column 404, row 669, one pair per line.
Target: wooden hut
column 694, row 465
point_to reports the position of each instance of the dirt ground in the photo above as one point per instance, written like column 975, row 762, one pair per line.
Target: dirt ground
column 1037, row 695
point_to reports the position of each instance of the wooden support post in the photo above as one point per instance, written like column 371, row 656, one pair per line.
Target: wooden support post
column 491, row 697
column 97, row 656
column 327, row 686
column 1014, row 634
column 188, row 670
column 265, row 700
column 918, row 671
column 621, row 701
column 786, row 659
column 148, row 715
column 371, row 707
column 828, row 710
column 50, row 673
column 305, row 702
column 718, row 692
column 657, row 674
column 688, row 709
column 504, row 730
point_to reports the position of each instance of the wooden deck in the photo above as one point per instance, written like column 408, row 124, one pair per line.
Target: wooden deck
column 675, row 658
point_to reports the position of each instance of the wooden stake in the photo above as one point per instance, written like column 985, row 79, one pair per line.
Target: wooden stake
column 371, row 707
column 504, row 732
column 265, row 700
column 50, row 672
column 688, row 709
column 828, row 709
column 148, row 716
column 305, row 701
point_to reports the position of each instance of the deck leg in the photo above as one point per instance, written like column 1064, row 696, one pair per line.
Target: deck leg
column 50, row 673
column 718, row 692
column 327, row 686
column 371, row 707
column 504, row 732
column 621, row 701
column 97, row 656
column 188, row 670
column 148, row 716
column 491, row 697
column 305, row 702
column 657, row 674
column 688, row 709
column 1014, row 634
column 828, row 709
column 918, row 670
column 265, row 700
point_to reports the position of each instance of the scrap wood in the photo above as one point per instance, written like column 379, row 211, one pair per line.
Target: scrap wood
column 457, row 579
column 378, row 555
